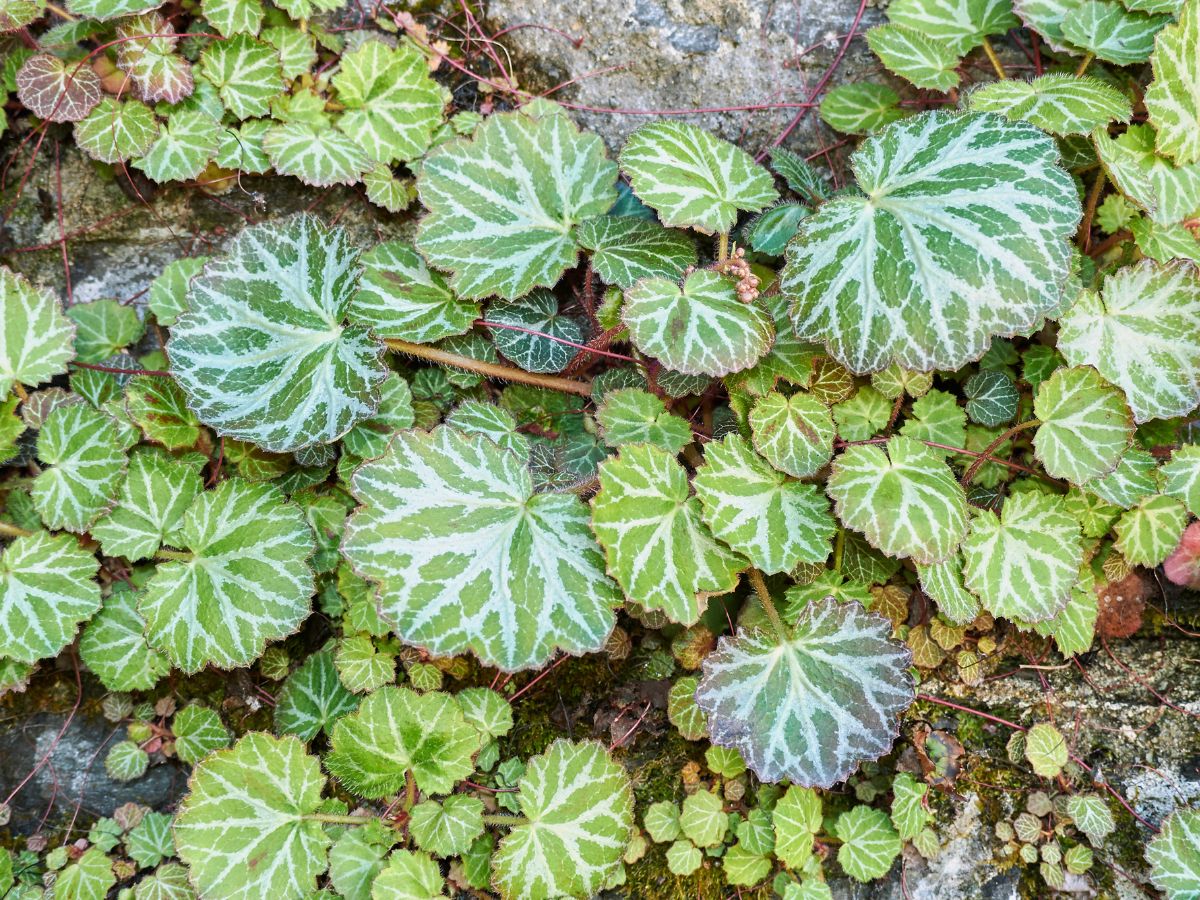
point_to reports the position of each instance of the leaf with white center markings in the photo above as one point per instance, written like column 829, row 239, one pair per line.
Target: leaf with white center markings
column 1086, row 426
column 156, row 493
column 657, row 547
column 36, row 341
column 1173, row 98
column 869, row 843
column 246, row 73
column 693, row 179
column 1058, row 103
column 627, row 248
column 318, row 156
column 535, row 342
column 1111, row 32
column 579, row 809
column 1169, row 193
column 1023, row 563
column 634, row 416
column 47, row 587
column 113, row 645
column 814, row 703
column 156, row 72
column 1133, row 480
column 312, row 698
column 503, row 205
column 775, row 521
column 183, row 147
column 961, row 24
column 58, row 90
column 701, row 329
column 1181, row 477
column 907, row 501
column 467, row 557
column 917, row 58
column 1174, row 855
column 1142, row 332
column 233, row 16
column 1148, row 533
column 198, row 731
column 245, row 582
column 944, row 583
column 83, row 462
column 912, row 271
column 448, row 827
column 244, row 829
column 263, row 352
column 860, row 108
column 115, row 131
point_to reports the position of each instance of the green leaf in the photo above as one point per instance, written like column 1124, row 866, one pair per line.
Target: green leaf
column 318, row 156
column 88, row 878
column 16, row 14
column 113, row 645
column 504, row 204
column 626, row 249
column 789, row 359
column 312, row 698
column 58, row 90
column 1148, row 533
column 158, row 406
column 869, row 843
column 992, row 398
column 1169, row 193
column 1142, row 332
column 385, row 190
column 198, row 732
column 1059, row 103
column 1173, row 97
column 126, row 761
column 1174, row 855
column 693, row 179
column 701, row 329
column 1181, row 477
column 83, row 463
column 682, row 710
column 1092, row 816
column 944, row 583
column 634, row 416
column 241, row 148
column 906, row 501
column 860, row 108
column 774, row 521
column 1111, row 32
column 150, row 841
column 263, row 353
column 447, row 828
column 800, row 175
column 683, row 858
column 168, row 292
column 156, row 72
column 246, row 581
column 246, row 73
column 1086, row 425
column 703, row 819
column 47, row 587
column 579, row 807
column 742, row 867
column 795, row 434
column 937, row 417
column 115, row 131
column 361, row 666
column 797, row 820
column 661, row 821
column 392, row 105
column 1046, row 749
column 538, row 311
column 244, row 828
column 156, row 493
column 913, row 272
column 1023, row 563
column 1134, row 479
column 770, row 231
column 909, row 53
column 183, row 147
column 396, row 730
column 861, row 415
column 1074, row 628
column 960, row 24
column 409, row 876
column 490, row 420
column 909, row 813
column 357, row 859
column 467, row 563
column 231, row 17
column 35, row 344
column 103, row 328
column 814, row 703
column 169, row 882
column 656, row 545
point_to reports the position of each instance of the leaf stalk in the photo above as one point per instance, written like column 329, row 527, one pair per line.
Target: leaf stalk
column 491, row 370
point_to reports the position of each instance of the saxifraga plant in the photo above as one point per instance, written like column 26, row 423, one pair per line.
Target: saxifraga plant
column 825, row 399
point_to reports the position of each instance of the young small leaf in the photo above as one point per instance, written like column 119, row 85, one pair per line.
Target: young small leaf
column 917, row 58
column 634, row 416
column 198, row 732
column 1059, row 103
column 246, row 73
column 961, row 24
column 58, row 90
column 861, row 108
column 869, row 843
column 312, row 698
column 116, row 131
column 536, row 342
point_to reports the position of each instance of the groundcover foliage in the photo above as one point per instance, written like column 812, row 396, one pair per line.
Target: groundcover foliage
column 812, row 436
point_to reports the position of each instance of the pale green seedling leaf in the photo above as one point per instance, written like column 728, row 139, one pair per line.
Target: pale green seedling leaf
column 503, row 205
column 909, row 813
column 774, row 521
column 1086, row 425
column 47, row 587
column 1046, row 749
column 701, row 329
column 579, row 807
column 83, row 464
column 683, row 858
column 198, row 732
column 357, row 858
column 693, row 179
column 35, row 343
column 409, row 876
column 661, row 821
column 797, row 820
column 794, row 434
column 467, row 562
column 1059, row 103
column 116, row 131
column 448, row 827
column 814, row 703
column 168, row 292
column 912, row 271
column 102, row 328
column 1142, row 332
column 626, row 249
column 312, row 698
column 233, row 16
column 915, row 57
column 113, row 645
column 244, row 828
column 245, row 580
column 656, row 545
column 1092, row 816
column 361, row 666
column 126, row 761
column 90, row 877
column 869, row 843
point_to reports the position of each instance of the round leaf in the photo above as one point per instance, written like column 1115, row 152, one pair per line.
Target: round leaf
column 1086, row 425
column 84, row 462
column 794, row 434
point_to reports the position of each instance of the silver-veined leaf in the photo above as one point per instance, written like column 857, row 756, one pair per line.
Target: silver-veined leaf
column 503, row 205
column 233, row 16
column 312, row 698
column 246, row 73
column 1023, row 563
column 183, row 147
column 116, row 131
column 692, row 178
column 245, row 581
column 657, row 547
column 540, row 336
column 861, row 108
column 1111, row 32
column 263, row 352
column 244, row 828
column 468, row 557
column 113, row 645
column 1147, row 533
column 317, row 155
column 1134, row 479
column 869, row 843
column 396, row 730
column 198, row 731
column 1142, row 332
column 774, row 521
column 1174, row 855
column 634, row 416
column 944, row 583
column 1059, row 103
column 961, row 24
column 1173, row 97
column 913, row 272
column 906, row 501
column 1086, row 425
column 83, row 462
column 47, row 587
column 810, row 705
column 578, row 804
column 151, row 63
column 36, row 341
column 1181, row 477
column 1169, row 193
column 701, row 329
column 628, row 248
column 915, row 57
column 447, row 827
